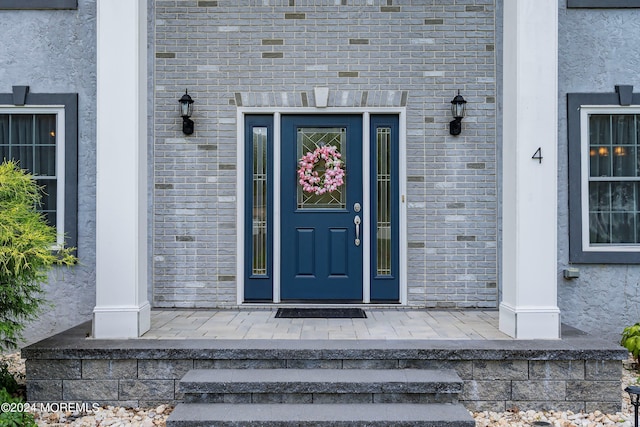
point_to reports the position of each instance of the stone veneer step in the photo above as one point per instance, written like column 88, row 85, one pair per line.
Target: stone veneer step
column 311, row 385
column 497, row 374
column 317, row 397
column 335, row 415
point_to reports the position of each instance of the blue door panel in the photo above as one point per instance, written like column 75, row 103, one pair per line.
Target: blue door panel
column 258, row 283
column 333, row 256
column 385, row 287
column 338, row 252
column 305, row 253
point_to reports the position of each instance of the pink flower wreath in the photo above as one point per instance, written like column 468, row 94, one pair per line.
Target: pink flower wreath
column 333, row 176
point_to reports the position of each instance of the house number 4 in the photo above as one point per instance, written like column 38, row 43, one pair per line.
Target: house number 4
column 538, row 155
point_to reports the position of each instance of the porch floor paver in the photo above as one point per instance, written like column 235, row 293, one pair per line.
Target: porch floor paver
column 380, row 324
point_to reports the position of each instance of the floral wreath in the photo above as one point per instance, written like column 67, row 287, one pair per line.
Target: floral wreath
column 333, row 176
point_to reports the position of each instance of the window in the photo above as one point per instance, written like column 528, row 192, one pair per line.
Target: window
column 43, row 140
column 38, row 4
column 604, row 173
column 602, row 4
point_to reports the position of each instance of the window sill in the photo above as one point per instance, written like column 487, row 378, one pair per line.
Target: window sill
column 38, row 4
column 602, row 4
column 609, row 257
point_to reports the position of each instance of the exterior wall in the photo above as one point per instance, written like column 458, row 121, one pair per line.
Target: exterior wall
column 54, row 52
column 272, row 53
column 231, row 50
column 595, row 53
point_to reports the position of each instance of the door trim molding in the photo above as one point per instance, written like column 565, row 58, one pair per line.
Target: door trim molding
column 366, row 208
column 277, row 136
column 366, row 113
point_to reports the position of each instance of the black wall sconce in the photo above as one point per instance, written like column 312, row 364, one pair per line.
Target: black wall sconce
column 186, row 110
column 458, row 107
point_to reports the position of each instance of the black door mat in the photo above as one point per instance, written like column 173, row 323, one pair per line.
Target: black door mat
column 321, row 313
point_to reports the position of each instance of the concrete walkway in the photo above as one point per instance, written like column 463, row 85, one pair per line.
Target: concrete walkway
column 380, row 324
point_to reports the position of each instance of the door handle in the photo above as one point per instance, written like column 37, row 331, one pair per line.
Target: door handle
column 356, row 221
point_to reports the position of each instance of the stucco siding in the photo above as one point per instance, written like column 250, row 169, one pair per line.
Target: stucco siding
column 598, row 49
column 54, row 52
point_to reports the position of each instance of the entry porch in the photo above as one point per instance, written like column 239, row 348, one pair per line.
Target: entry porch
column 386, row 324
column 577, row 372
column 528, row 223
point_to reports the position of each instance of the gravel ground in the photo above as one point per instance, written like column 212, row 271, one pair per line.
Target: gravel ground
column 568, row 418
column 153, row 417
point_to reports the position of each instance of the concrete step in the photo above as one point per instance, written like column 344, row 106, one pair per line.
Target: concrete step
column 320, row 386
column 335, row 415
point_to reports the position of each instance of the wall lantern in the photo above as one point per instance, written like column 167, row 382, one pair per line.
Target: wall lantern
column 458, row 107
column 634, row 395
column 186, row 110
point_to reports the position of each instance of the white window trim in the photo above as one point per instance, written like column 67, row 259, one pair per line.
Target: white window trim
column 585, row 112
column 59, row 111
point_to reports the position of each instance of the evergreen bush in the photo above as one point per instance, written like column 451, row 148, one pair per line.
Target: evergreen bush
column 26, row 254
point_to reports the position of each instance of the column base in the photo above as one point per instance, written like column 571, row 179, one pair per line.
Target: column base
column 529, row 323
column 121, row 322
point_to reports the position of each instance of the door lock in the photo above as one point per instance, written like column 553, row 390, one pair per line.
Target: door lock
column 356, row 207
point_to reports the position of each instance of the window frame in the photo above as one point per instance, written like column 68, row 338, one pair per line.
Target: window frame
column 58, row 111
column 38, row 4
column 580, row 106
column 65, row 106
column 602, row 4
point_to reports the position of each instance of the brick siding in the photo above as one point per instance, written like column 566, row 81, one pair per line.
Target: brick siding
column 369, row 53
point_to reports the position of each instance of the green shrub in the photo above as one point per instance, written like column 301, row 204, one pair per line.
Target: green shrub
column 26, row 255
column 631, row 341
column 12, row 413
column 7, row 380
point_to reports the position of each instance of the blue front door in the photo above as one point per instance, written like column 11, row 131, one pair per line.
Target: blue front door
column 321, row 202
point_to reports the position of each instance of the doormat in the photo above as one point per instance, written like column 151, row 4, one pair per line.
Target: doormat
column 321, row 313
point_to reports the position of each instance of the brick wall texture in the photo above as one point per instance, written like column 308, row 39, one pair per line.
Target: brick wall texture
column 370, row 53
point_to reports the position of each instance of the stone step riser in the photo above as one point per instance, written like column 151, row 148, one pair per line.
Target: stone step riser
column 321, row 398
column 318, row 423
column 367, row 385
column 334, row 415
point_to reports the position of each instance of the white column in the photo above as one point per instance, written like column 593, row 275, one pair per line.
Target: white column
column 122, row 309
column 529, row 307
